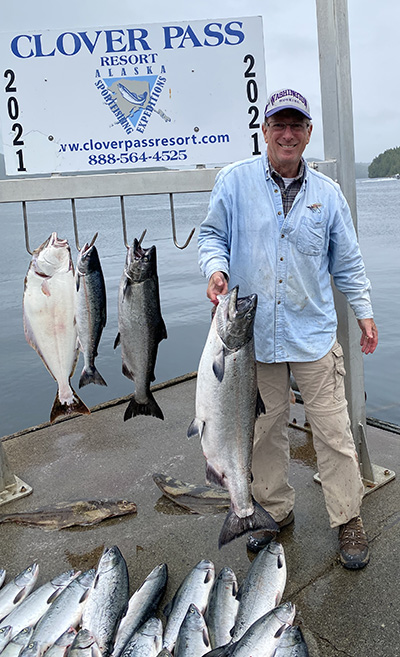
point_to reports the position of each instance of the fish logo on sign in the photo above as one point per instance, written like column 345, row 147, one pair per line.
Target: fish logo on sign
column 133, row 99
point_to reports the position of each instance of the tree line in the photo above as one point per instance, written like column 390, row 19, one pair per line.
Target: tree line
column 386, row 164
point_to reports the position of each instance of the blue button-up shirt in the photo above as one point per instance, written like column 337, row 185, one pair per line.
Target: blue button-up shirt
column 287, row 261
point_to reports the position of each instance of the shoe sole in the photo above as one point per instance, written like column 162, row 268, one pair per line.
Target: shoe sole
column 354, row 565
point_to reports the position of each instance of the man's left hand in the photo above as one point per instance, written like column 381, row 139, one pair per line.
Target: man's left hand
column 369, row 336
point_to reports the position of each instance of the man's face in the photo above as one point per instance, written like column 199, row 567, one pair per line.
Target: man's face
column 287, row 133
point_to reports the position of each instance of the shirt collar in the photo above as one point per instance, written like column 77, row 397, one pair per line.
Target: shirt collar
column 270, row 169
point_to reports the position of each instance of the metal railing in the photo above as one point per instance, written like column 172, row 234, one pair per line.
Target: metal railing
column 108, row 185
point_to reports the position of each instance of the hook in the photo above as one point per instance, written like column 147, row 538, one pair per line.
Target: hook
column 124, row 225
column 171, row 202
column 25, row 214
column 75, row 224
column 94, row 239
column 121, row 198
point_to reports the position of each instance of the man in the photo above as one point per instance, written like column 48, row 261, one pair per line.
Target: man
column 281, row 230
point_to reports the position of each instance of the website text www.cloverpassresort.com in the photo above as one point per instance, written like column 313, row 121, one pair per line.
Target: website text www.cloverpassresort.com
column 125, row 151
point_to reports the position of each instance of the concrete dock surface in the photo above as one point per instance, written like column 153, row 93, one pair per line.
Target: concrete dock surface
column 342, row 613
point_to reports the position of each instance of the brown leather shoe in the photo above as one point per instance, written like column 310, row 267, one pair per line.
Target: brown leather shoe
column 353, row 544
column 260, row 539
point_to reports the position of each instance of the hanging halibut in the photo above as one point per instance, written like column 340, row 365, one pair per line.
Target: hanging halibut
column 49, row 319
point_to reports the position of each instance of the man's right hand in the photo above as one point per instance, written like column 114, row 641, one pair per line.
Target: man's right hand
column 217, row 284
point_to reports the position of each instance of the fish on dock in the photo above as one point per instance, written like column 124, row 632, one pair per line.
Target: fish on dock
column 64, row 612
column 142, row 604
column 35, row 605
column 192, row 497
column 146, row 641
column 49, row 319
column 262, row 637
column 222, row 607
column 17, row 643
column 84, row 645
column 292, row 643
column 141, row 327
column 69, row 514
column 5, row 636
column 107, row 600
column 91, row 311
column 262, row 589
column 227, row 404
column 195, row 588
column 15, row 591
column 193, row 639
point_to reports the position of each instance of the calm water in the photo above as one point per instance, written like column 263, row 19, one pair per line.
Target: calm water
column 28, row 390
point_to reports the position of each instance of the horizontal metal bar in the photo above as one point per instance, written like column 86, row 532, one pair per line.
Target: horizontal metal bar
column 131, row 183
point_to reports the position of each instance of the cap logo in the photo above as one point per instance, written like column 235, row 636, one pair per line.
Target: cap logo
column 287, row 92
column 287, row 99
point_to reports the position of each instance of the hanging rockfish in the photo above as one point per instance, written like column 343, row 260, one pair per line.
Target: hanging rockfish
column 49, row 319
column 141, row 327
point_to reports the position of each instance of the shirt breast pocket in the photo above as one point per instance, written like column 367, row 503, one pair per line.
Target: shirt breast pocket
column 311, row 235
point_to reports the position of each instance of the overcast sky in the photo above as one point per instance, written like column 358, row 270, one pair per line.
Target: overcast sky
column 291, row 48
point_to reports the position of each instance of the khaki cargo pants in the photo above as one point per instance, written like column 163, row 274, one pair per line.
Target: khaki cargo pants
column 321, row 384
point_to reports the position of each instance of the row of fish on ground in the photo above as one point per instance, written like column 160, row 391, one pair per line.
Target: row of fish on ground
column 92, row 614
column 64, row 311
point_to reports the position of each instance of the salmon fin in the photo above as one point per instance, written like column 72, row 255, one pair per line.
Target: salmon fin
column 84, row 596
column 91, row 376
column 127, row 372
column 53, row 596
column 219, row 364
column 260, row 406
column 207, row 578
column 149, row 408
column 238, row 598
column 20, row 596
column 214, row 477
column 206, row 640
column 61, row 410
column 196, row 428
column 162, row 331
column 169, row 606
column 234, row 526
column 125, row 288
column 117, row 340
column 280, row 631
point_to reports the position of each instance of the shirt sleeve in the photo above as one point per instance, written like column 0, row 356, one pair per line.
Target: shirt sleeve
column 215, row 231
column 346, row 264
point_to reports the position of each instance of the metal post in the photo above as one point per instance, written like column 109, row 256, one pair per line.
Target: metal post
column 337, row 115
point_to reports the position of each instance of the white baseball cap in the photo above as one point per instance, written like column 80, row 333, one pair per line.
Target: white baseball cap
column 287, row 99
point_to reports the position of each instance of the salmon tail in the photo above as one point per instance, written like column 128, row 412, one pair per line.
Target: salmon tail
column 62, row 409
column 91, row 376
column 150, row 407
column 234, row 526
column 213, row 477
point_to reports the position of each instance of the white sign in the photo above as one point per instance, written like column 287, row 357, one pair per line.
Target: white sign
column 127, row 97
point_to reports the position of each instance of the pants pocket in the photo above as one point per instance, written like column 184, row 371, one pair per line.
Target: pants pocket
column 339, row 372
